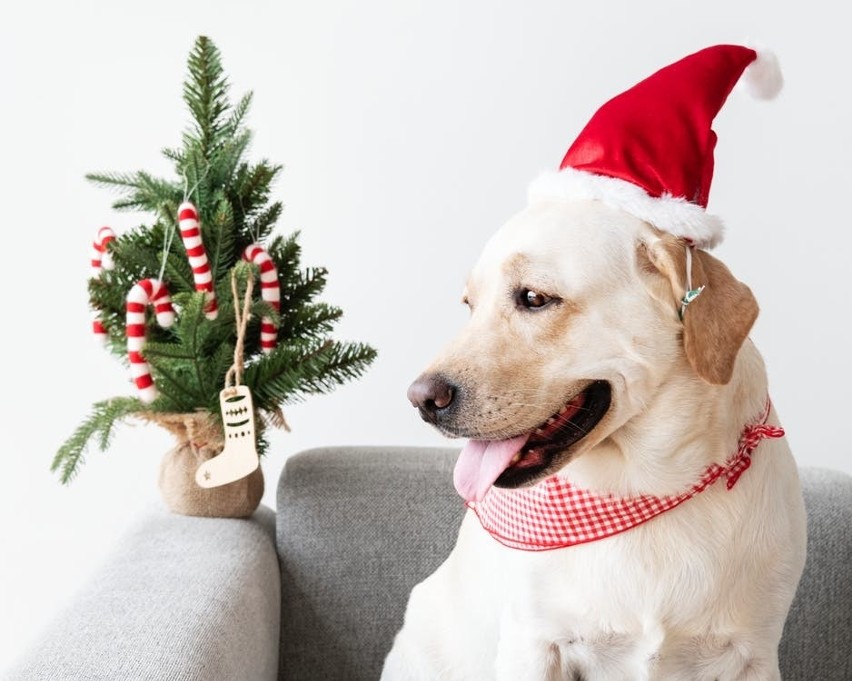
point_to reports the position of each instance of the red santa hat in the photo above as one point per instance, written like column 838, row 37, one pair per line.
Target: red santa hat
column 649, row 150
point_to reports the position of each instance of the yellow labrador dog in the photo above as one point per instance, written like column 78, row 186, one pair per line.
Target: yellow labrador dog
column 587, row 366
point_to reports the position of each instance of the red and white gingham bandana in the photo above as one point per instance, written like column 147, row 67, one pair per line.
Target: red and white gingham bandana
column 554, row 514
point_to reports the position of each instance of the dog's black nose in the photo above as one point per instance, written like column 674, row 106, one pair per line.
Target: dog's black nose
column 430, row 394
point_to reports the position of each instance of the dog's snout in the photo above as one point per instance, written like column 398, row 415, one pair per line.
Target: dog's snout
column 430, row 394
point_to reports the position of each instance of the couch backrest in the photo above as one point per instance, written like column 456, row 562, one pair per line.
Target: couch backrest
column 359, row 527
column 817, row 642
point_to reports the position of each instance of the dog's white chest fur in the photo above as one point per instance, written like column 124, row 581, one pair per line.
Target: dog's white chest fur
column 632, row 607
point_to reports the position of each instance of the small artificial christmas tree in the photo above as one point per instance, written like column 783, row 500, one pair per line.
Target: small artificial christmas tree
column 174, row 300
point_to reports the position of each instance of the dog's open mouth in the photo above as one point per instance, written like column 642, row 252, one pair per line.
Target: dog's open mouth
column 522, row 459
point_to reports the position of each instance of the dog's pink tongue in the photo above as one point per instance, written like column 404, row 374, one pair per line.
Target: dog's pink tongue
column 480, row 464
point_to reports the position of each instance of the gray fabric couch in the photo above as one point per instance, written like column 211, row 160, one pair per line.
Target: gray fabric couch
column 318, row 590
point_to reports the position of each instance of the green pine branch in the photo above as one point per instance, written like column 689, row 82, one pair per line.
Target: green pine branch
column 220, row 235
column 100, row 425
column 206, row 94
column 286, row 252
column 261, row 224
column 303, row 285
column 190, row 333
column 226, row 159
column 141, row 191
column 239, row 112
column 291, row 373
column 311, row 321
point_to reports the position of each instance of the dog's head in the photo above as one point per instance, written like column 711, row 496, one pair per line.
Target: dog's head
column 574, row 326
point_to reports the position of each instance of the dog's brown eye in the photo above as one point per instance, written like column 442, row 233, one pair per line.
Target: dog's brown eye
column 533, row 299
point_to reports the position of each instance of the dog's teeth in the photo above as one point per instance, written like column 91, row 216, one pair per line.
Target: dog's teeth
column 563, row 410
column 516, row 458
column 550, row 420
column 538, row 431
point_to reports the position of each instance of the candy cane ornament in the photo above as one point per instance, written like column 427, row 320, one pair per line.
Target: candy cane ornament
column 146, row 292
column 190, row 232
column 99, row 329
column 101, row 259
column 270, row 292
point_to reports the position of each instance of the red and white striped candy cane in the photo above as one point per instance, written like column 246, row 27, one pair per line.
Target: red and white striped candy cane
column 146, row 292
column 270, row 292
column 101, row 260
column 99, row 329
column 190, row 232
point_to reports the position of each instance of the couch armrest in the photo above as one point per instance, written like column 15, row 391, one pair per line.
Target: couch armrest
column 180, row 598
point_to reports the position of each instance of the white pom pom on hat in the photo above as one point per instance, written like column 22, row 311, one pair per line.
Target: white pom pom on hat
column 763, row 79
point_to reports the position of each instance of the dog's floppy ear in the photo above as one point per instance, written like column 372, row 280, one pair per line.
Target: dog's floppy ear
column 717, row 322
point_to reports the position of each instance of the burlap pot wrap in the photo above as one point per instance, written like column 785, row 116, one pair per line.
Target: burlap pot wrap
column 199, row 437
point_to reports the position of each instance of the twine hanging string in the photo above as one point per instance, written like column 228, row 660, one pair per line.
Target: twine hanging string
column 273, row 417
column 235, row 374
column 168, row 235
column 187, row 191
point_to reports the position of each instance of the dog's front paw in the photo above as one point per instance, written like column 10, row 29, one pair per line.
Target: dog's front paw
column 524, row 654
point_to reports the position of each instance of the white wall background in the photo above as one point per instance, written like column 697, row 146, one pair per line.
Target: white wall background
column 409, row 131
